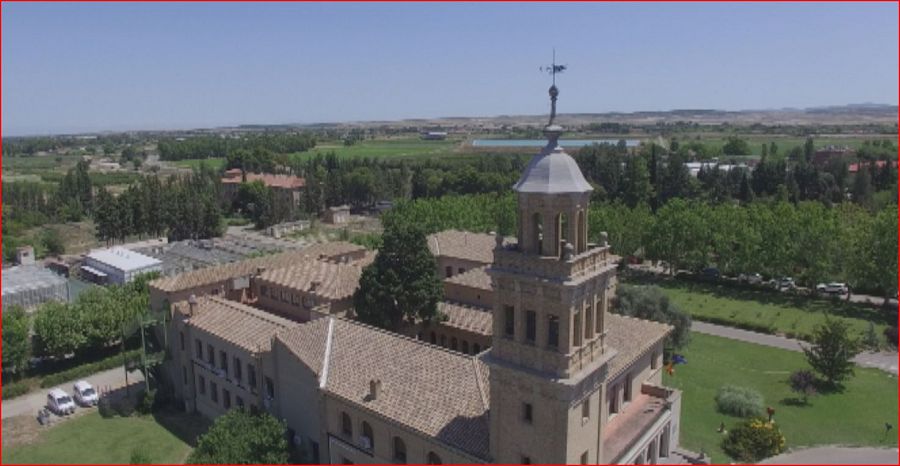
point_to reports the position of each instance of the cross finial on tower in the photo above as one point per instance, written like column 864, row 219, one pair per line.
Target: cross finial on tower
column 553, row 69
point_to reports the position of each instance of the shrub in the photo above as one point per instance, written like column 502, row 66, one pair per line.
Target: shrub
column 753, row 440
column 147, row 402
column 890, row 334
column 803, row 383
column 739, row 401
column 104, row 407
column 85, row 370
column 12, row 390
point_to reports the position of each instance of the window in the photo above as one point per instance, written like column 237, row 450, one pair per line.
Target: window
column 588, row 323
column 448, row 271
column 181, row 340
column 598, row 310
column 399, row 450
column 346, row 425
column 453, row 344
column 239, row 402
column 530, row 326
column 251, row 375
column 476, row 349
column 553, row 332
column 184, row 374
column 653, row 362
column 214, row 392
column 201, row 385
column 199, row 349
column 586, row 409
column 367, row 434
column 628, row 382
column 443, row 341
column 270, row 388
column 460, row 270
column 576, row 330
column 465, row 347
column 613, row 397
column 264, row 291
column 223, row 362
column 226, row 399
column 527, row 414
column 509, row 321
column 433, row 458
column 433, row 338
column 584, row 458
column 210, row 355
column 525, row 460
column 237, row 369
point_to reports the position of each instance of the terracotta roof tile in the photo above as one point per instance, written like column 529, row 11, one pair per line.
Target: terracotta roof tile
column 233, row 176
column 325, row 279
column 478, row 247
column 210, row 275
column 332, row 250
column 632, row 338
column 472, row 319
column 244, row 326
column 474, row 278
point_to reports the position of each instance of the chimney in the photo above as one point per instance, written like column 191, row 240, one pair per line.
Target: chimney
column 260, row 270
column 374, row 389
column 313, row 286
column 192, row 304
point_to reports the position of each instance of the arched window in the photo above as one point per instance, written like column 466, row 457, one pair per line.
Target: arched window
column 367, row 433
column 346, row 425
column 399, row 450
column 562, row 232
column 433, row 338
column 582, row 232
column 476, row 349
column 433, row 458
column 465, row 347
column 537, row 233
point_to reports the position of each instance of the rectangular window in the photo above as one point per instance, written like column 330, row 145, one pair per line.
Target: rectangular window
column 576, row 329
column 210, row 355
column 251, row 375
column 530, row 326
column 270, row 388
column 599, row 310
column 553, row 332
column 223, row 362
column 201, row 385
column 199, row 350
column 214, row 392
column 509, row 313
column 226, row 399
column 613, row 397
column 588, row 323
column 184, row 374
column 527, row 414
column 239, row 402
column 586, row 409
column 181, row 340
column 629, row 379
column 448, row 271
column 460, row 270
column 653, row 363
column 237, row 369
column 264, row 291
column 584, row 458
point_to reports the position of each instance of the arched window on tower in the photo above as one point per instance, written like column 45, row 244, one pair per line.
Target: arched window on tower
column 581, row 232
column 538, row 233
column 562, row 233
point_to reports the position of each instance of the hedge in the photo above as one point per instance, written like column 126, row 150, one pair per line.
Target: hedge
column 12, row 390
column 85, row 370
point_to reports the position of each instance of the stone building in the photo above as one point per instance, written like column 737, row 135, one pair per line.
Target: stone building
column 563, row 380
column 307, row 290
column 458, row 251
column 286, row 188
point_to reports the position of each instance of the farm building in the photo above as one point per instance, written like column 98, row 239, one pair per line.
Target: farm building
column 31, row 285
column 117, row 265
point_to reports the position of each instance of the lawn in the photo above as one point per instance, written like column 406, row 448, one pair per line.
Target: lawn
column 214, row 163
column 384, row 148
column 91, row 439
column 855, row 416
column 785, row 313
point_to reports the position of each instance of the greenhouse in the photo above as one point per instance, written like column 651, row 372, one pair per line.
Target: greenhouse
column 31, row 285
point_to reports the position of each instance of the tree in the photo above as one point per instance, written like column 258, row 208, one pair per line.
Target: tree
column 746, row 194
column 636, row 188
column 736, row 146
column 239, row 437
column 52, row 242
column 401, row 284
column 678, row 236
column 832, row 351
column 58, row 330
column 803, row 383
column 809, row 149
column 16, row 341
column 650, row 303
column 753, row 440
column 255, row 200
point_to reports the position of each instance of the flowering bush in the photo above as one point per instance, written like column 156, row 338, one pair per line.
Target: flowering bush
column 753, row 440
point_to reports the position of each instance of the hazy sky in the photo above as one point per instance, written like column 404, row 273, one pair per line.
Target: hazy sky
column 97, row 66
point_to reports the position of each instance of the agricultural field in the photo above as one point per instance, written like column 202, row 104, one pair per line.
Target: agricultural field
column 386, row 148
column 852, row 417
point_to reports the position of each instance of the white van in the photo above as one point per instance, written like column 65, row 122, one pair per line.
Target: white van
column 60, row 402
column 85, row 395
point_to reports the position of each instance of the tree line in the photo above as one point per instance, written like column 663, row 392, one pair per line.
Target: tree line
column 204, row 147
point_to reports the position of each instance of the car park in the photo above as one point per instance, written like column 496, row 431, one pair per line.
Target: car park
column 833, row 288
column 711, row 273
column 784, row 283
column 750, row 278
column 85, row 395
column 60, row 403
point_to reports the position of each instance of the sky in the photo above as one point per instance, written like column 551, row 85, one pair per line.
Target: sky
column 84, row 67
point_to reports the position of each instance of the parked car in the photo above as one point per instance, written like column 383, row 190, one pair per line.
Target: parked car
column 60, row 402
column 752, row 278
column 785, row 283
column 834, row 288
column 711, row 273
column 85, row 395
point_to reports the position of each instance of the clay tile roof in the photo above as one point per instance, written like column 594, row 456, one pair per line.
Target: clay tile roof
column 632, row 338
column 437, row 392
column 270, row 180
column 330, row 280
column 473, row 278
column 332, row 250
column 467, row 318
column 478, row 247
column 243, row 326
column 210, row 275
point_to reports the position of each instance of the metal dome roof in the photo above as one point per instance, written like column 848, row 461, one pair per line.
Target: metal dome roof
column 552, row 171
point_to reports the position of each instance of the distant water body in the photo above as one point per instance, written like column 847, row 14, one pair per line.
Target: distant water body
column 542, row 142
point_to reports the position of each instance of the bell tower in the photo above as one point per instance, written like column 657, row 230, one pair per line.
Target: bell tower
column 552, row 288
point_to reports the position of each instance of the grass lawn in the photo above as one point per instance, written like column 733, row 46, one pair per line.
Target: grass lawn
column 855, row 416
column 785, row 312
column 214, row 163
column 384, row 148
column 91, row 439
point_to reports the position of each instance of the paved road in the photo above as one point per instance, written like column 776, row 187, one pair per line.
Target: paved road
column 836, row 455
column 31, row 403
column 884, row 360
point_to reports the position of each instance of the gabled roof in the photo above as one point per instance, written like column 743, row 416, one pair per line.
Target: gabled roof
column 210, row 275
column 326, row 279
column 473, row 278
column 436, row 392
column 472, row 319
column 631, row 338
column 477, row 247
column 243, row 326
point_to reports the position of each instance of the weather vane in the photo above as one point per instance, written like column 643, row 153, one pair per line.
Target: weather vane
column 553, row 69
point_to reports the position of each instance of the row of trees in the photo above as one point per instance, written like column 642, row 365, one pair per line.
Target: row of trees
column 186, row 207
column 204, row 147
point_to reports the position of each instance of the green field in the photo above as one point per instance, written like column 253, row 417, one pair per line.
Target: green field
column 385, row 148
column 786, row 313
column 855, row 416
column 89, row 438
column 214, row 163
